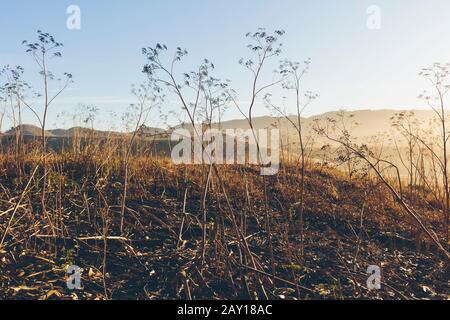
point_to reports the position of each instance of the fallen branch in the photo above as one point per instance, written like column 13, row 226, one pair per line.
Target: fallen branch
column 279, row 279
column 96, row 238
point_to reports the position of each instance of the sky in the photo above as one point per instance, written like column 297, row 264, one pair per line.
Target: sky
column 353, row 66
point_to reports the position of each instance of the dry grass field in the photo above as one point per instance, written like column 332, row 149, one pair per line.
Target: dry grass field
column 169, row 250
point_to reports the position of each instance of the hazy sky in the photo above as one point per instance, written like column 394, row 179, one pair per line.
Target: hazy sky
column 353, row 66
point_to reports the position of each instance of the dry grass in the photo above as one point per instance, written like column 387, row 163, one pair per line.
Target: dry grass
column 348, row 226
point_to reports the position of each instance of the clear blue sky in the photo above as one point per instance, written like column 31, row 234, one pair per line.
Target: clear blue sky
column 353, row 67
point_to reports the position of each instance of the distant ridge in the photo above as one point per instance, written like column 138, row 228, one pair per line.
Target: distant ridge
column 370, row 123
column 29, row 130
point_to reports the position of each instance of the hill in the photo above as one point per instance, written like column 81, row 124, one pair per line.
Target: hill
column 369, row 123
column 346, row 229
column 28, row 130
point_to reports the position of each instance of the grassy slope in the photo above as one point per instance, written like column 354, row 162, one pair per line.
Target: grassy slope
column 154, row 264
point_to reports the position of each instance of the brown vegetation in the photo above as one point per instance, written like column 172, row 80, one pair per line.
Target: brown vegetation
column 349, row 225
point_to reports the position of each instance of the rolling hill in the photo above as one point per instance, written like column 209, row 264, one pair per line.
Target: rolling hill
column 370, row 123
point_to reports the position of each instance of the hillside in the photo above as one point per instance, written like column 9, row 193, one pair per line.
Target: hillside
column 369, row 123
column 348, row 226
column 29, row 130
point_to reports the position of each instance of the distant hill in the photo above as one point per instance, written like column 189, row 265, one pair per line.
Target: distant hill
column 28, row 130
column 35, row 131
column 79, row 131
column 152, row 131
column 370, row 123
